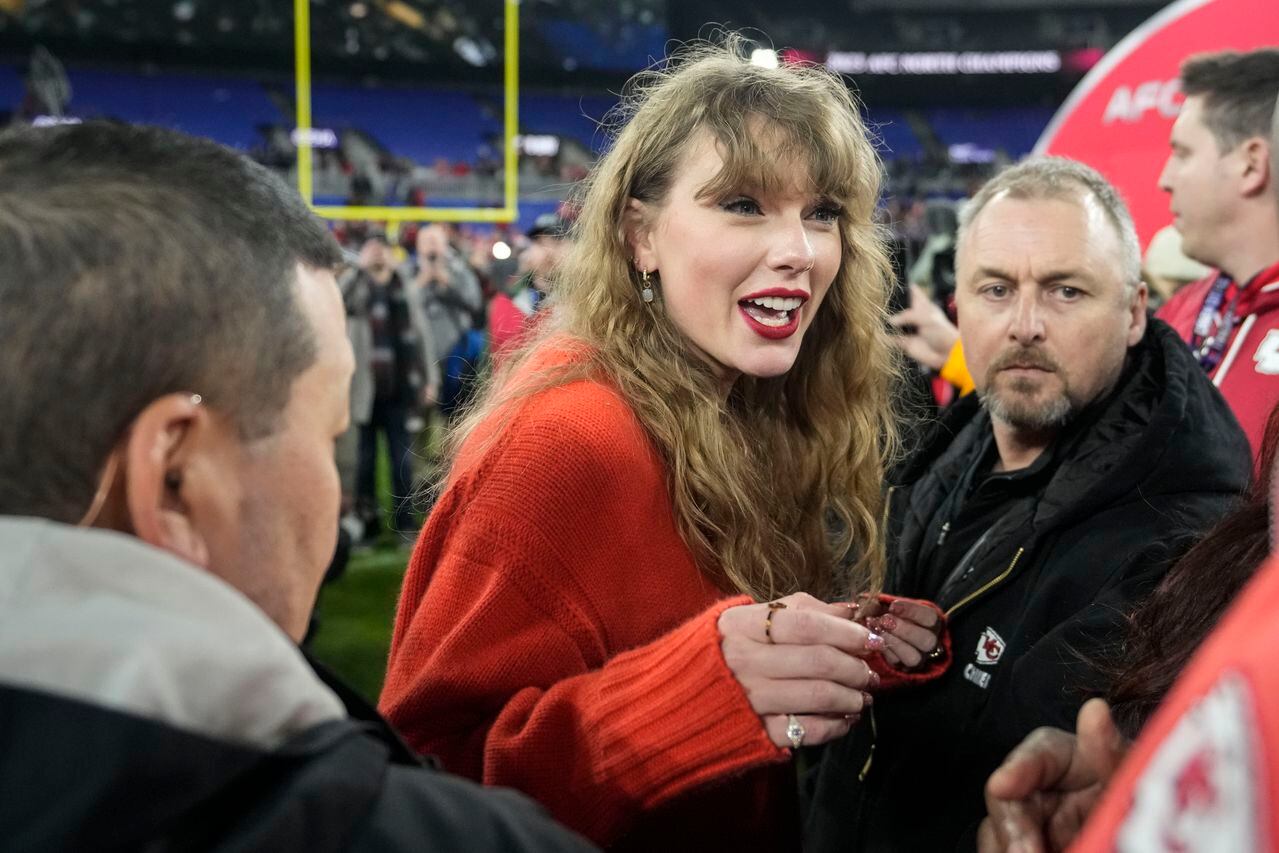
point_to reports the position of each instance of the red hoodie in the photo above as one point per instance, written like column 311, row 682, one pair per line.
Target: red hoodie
column 1248, row 373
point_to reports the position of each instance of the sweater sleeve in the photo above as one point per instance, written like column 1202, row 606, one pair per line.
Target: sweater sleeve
column 502, row 666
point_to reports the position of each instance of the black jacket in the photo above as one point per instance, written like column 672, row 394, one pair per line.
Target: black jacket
column 79, row 777
column 145, row 705
column 1039, row 600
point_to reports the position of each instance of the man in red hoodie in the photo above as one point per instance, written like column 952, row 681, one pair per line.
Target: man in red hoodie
column 1222, row 191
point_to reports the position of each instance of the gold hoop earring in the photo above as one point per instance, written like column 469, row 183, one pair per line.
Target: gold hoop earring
column 647, row 292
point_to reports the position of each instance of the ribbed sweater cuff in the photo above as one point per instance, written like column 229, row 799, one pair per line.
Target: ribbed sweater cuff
column 672, row 716
column 891, row 676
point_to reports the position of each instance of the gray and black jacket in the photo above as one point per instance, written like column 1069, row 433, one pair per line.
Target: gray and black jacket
column 146, row 705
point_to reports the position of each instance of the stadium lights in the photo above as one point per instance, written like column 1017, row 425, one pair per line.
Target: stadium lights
column 764, row 57
column 53, row 121
column 538, row 144
column 316, row 137
column 501, row 251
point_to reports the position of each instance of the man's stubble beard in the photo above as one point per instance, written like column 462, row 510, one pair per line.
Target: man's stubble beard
column 1015, row 407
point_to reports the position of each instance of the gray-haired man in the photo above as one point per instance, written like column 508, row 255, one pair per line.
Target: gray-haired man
column 1042, row 509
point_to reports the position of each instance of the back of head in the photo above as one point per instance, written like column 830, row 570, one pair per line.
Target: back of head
column 1238, row 91
column 1060, row 179
column 137, row 262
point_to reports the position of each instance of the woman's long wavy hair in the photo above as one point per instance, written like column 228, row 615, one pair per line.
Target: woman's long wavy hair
column 779, row 485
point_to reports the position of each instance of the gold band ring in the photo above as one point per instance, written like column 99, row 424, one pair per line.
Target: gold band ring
column 773, row 607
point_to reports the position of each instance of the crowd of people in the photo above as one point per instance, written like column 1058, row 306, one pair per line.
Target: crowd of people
column 682, row 532
column 429, row 311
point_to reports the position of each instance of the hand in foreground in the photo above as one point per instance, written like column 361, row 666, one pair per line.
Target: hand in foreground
column 911, row 631
column 933, row 335
column 803, row 660
column 1041, row 795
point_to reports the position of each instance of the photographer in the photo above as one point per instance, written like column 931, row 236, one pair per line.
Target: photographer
column 396, row 372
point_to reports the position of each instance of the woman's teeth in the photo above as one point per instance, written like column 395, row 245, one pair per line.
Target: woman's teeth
column 777, row 303
column 772, row 310
column 767, row 317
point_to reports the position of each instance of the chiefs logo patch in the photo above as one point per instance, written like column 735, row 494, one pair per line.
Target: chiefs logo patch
column 1267, row 354
column 990, row 648
column 1197, row 791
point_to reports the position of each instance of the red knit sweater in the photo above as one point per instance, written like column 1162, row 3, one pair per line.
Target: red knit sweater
column 554, row 635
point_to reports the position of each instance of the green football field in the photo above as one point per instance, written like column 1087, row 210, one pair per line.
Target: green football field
column 356, row 613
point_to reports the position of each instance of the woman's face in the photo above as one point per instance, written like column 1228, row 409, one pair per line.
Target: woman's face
column 743, row 275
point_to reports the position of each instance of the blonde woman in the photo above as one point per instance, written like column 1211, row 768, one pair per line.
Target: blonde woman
column 707, row 401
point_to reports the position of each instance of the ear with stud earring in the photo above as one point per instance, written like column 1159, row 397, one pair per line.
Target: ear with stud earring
column 646, row 293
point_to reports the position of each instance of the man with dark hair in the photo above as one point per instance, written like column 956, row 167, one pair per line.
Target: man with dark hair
column 1040, row 511
column 1224, row 196
column 175, row 369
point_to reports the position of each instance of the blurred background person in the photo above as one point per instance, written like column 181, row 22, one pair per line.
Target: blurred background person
column 1166, row 267
column 511, row 313
column 396, row 375
column 1222, row 192
column 448, row 290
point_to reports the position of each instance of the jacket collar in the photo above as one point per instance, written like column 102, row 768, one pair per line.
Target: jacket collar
column 102, row 618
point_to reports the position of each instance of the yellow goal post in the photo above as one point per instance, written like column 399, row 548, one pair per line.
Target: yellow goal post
column 509, row 210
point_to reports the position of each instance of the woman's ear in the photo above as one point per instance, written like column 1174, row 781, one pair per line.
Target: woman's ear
column 638, row 232
column 166, row 443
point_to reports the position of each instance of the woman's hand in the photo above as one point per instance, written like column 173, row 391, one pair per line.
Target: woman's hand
column 911, row 630
column 800, row 657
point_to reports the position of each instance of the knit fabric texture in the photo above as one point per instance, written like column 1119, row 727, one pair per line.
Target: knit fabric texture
column 554, row 633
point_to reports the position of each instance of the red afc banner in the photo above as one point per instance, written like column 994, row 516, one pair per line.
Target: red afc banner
column 1118, row 118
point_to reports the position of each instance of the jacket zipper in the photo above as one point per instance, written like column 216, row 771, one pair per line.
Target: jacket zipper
column 989, row 584
column 888, row 507
column 870, row 756
column 874, row 730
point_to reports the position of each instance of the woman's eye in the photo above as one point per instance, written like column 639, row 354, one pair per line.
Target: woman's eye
column 827, row 213
column 743, row 205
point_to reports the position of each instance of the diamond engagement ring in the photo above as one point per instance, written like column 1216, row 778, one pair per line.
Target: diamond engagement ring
column 794, row 732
